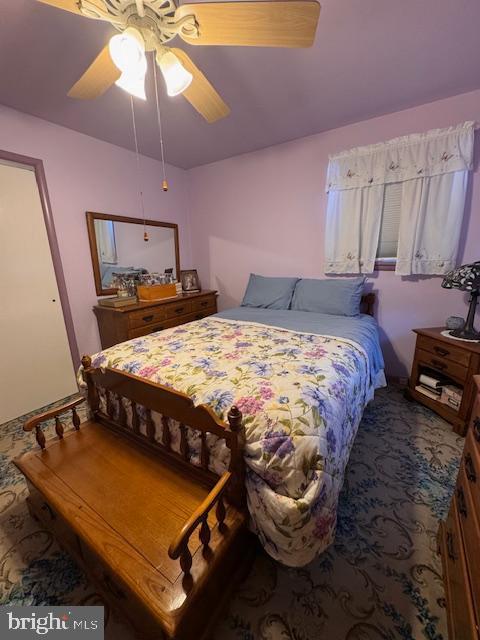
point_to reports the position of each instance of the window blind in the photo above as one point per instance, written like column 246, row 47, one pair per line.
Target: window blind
column 388, row 240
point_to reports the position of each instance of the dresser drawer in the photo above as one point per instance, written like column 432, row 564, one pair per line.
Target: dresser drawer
column 145, row 317
column 471, row 467
column 178, row 309
column 204, row 304
column 470, row 533
column 461, row 617
column 475, row 423
column 156, row 326
column 442, row 365
column 437, row 348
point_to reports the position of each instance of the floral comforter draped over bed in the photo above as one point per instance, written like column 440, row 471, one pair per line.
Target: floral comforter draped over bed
column 302, row 398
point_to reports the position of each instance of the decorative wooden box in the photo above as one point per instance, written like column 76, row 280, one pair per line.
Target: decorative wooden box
column 149, row 292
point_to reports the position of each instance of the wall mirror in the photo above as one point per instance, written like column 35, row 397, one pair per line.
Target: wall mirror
column 117, row 246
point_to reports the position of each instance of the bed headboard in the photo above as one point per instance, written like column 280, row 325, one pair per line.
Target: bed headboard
column 367, row 302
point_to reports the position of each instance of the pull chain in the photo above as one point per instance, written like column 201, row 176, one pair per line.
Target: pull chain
column 159, row 118
column 139, row 174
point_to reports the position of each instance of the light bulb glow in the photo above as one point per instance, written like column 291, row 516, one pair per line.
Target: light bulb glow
column 177, row 78
column 127, row 51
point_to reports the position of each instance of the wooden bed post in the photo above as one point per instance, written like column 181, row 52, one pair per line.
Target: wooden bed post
column 237, row 493
column 92, row 394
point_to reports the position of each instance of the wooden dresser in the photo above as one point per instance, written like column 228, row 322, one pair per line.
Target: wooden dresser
column 459, row 539
column 119, row 324
column 457, row 360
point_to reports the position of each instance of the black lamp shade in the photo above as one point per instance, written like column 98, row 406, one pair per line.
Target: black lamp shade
column 465, row 278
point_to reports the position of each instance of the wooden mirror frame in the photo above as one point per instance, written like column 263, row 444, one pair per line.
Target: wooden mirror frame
column 92, row 238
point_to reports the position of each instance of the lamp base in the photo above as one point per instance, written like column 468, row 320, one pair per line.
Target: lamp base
column 465, row 333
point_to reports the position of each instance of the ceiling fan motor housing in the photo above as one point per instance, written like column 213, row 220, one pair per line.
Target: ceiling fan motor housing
column 157, row 26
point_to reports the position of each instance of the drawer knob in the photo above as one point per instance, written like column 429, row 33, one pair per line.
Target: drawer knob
column 450, row 547
column 438, row 364
column 462, row 504
column 470, row 468
column 476, row 429
column 441, row 351
column 179, row 309
column 204, row 303
column 147, row 318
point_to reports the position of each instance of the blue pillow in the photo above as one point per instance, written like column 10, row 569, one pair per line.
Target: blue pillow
column 335, row 296
column 269, row 293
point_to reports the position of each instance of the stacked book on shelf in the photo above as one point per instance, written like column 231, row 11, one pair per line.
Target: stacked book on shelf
column 117, row 301
column 439, row 388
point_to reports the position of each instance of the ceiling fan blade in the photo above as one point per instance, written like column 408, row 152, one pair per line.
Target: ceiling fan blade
column 286, row 23
column 72, row 5
column 201, row 94
column 99, row 77
column 66, row 5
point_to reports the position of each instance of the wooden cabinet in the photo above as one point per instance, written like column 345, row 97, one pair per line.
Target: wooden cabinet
column 456, row 360
column 459, row 539
column 119, row 324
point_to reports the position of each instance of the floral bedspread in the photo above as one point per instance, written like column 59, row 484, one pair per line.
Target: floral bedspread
column 302, row 398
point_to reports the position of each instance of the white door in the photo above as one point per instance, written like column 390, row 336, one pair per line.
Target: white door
column 35, row 361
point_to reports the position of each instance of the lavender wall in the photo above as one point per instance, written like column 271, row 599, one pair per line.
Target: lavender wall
column 264, row 212
column 86, row 174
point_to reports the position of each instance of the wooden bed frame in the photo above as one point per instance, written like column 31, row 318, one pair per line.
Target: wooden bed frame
column 148, row 526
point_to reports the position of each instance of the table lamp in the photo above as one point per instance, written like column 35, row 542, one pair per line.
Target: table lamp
column 466, row 278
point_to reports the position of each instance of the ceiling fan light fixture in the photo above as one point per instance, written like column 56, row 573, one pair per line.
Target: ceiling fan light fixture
column 133, row 83
column 127, row 51
column 176, row 77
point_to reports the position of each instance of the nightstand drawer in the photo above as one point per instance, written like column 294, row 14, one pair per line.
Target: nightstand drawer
column 442, row 350
column 442, row 365
column 146, row 317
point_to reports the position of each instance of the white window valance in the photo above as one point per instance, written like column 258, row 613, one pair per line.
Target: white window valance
column 432, row 171
column 419, row 155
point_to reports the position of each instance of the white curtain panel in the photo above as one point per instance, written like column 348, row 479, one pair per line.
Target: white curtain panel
column 432, row 168
column 430, row 223
column 352, row 229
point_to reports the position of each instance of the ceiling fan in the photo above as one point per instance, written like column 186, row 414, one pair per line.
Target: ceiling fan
column 148, row 25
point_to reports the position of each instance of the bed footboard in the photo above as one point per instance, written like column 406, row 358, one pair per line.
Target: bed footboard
column 167, row 422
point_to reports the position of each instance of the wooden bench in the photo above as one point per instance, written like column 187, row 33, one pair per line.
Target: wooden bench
column 163, row 540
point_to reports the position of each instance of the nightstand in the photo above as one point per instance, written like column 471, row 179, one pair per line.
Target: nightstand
column 457, row 361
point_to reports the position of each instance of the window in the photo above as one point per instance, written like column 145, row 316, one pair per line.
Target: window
column 107, row 249
column 388, row 239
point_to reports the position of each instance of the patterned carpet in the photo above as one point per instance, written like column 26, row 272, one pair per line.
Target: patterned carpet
column 380, row 579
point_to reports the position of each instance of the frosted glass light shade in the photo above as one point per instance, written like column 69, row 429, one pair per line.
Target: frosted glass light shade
column 177, row 78
column 133, row 83
column 127, row 51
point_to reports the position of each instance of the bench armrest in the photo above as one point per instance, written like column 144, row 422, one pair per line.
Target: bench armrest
column 179, row 546
column 36, row 421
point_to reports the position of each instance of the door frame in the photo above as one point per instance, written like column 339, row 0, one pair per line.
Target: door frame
column 37, row 166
